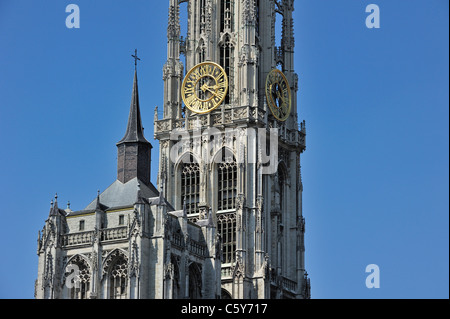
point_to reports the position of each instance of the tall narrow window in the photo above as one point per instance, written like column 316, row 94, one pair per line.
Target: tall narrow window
column 195, row 282
column 227, row 183
column 118, row 279
column 279, row 36
column 81, row 228
column 176, row 291
column 226, row 200
column 202, row 9
column 226, row 48
column 190, row 186
column 281, row 190
column 226, row 16
column 226, row 54
column 226, row 226
column 257, row 17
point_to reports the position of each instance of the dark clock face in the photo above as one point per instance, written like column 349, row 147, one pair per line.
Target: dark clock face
column 278, row 95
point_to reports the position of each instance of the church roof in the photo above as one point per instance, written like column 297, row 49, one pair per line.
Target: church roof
column 135, row 131
column 122, row 195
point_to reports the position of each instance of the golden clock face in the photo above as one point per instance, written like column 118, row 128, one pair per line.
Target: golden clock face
column 278, row 95
column 205, row 87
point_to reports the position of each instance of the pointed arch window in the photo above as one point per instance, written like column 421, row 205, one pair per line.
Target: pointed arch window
column 118, row 279
column 190, row 185
column 80, row 284
column 195, row 281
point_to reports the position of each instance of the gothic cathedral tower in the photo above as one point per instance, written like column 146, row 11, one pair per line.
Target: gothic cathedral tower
column 230, row 138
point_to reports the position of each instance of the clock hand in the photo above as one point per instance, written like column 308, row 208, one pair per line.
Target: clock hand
column 205, row 88
column 280, row 96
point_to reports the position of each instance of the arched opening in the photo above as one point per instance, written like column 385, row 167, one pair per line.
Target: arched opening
column 78, row 278
column 195, row 282
column 116, row 269
column 176, row 279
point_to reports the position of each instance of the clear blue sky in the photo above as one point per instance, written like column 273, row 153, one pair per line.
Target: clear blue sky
column 376, row 103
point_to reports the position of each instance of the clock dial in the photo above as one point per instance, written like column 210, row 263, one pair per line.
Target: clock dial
column 204, row 87
column 278, row 95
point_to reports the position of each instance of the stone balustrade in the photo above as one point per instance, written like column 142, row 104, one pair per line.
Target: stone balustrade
column 87, row 238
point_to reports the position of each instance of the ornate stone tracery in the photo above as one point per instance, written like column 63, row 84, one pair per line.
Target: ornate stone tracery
column 111, row 259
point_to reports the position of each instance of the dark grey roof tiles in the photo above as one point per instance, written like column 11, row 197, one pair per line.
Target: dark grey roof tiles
column 121, row 195
column 135, row 131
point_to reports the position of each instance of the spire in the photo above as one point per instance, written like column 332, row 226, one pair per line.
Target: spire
column 54, row 209
column 98, row 204
column 135, row 131
column 134, row 151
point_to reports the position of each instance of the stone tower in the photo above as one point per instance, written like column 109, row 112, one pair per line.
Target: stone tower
column 239, row 162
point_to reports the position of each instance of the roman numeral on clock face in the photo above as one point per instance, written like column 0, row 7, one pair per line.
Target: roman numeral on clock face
column 190, row 99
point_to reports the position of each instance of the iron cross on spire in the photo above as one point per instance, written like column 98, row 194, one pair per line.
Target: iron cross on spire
column 135, row 58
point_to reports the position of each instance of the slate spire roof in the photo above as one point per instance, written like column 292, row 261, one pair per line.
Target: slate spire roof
column 135, row 131
column 134, row 151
